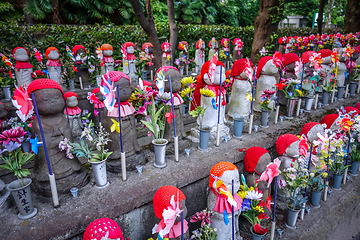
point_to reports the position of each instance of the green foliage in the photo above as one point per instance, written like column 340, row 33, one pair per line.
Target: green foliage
column 9, row 13
column 316, row 184
column 199, row 111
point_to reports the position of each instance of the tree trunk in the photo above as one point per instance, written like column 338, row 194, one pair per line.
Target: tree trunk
column 173, row 29
column 328, row 14
column 55, row 6
column 320, row 16
column 352, row 16
column 265, row 25
column 28, row 19
column 149, row 27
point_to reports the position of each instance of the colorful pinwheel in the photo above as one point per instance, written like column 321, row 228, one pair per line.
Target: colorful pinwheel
column 23, row 103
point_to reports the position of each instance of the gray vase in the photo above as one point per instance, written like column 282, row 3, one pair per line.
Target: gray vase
column 340, row 93
column 292, row 216
column 25, row 146
column 265, row 119
column 337, row 181
column 354, row 167
column 160, row 151
column 7, row 92
column 71, row 84
column 290, row 108
column 315, row 198
column 308, row 103
column 256, row 236
column 204, row 138
column 353, row 88
column 99, row 170
column 325, row 99
column 238, row 126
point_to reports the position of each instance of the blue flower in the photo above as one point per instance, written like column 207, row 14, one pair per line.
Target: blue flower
column 11, row 146
column 246, row 205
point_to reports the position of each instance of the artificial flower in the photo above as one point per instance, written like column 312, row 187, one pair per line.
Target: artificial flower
column 246, row 205
column 272, row 170
column 259, row 230
column 203, row 216
column 249, row 97
column 254, row 195
column 207, row 92
column 13, row 135
column 280, row 85
column 115, row 126
column 278, row 59
column 169, row 116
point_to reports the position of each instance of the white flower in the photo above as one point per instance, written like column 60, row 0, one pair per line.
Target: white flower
column 292, row 176
column 254, row 195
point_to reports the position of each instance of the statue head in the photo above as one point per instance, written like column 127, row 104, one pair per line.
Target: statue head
column 311, row 129
column 21, row 54
column 48, row 95
column 121, row 79
column 219, row 73
column 227, row 172
column 288, row 145
column 225, row 43
column 166, row 47
column 52, row 53
column 305, row 57
column 149, row 46
column 266, row 66
column 326, row 56
column 4, row 111
column 256, row 159
column 183, row 46
column 356, row 53
column 175, row 79
column 289, row 61
column 213, row 44
column 238, row 69
column 330, row 121
column 79, row 50
column 98, row 94
column 107, row 50
column 72, row 99
column 103, row 228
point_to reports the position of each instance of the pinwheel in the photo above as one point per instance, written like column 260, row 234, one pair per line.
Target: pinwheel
column 107, row 91
column 23, row 103
column 38, row 56
column 35, row 144
column 69, row 53
column 160, row 81
column 278, row 59
column 6, row 60
column 272, row 170
column 212, row 68
column 115, row 126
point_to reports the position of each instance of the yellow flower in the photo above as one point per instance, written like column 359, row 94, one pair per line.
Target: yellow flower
column 132, row 97
column 321, row 46
column 259, row 209
column 300, row 92
column 251, row 189
column 324, row 174
column 186, row 81
column 207, row 92
column 249, row 98
column 227, row 80
column 115, row 126
column 184, row 92
column 242, row 193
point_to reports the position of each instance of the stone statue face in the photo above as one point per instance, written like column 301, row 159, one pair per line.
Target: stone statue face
column 108, row 53
column 78, row 53
column 53, row 55
column 167, row 49
column 99, row 96
column 21, row 55
column 130, row 50
column 327, row 60
column 203, row 45
column 3, row 112
column 124, row 89
column 216, row 45
column 175, row 81
column 291, row 66
column 293, row 149
column 355, row 56
column 227, row 178
column 216, row 82
column 340, row 53
column 312, row 134
column 264, row 160
column 243, row 75
column 269, row 68
column 72, row 101
column 49, row 101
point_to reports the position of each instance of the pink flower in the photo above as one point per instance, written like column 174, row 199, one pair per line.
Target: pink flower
column 13, row 134
column 203, row 216
column 272, row 170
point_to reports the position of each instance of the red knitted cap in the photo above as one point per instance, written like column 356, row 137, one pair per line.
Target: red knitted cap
column 77, row 47
column 252, row 157
column 128, row 44
column 329, row 120
column 19, row 48
column 106, row 46
column 284, row 141
column 96, row 90
column 147, row 45
column 70, row 94
column 351, row 109
column 49, row 49
column 184, row 43
column 115, row 76
column 218, row 169
column 325, row 53
column 165, row 44
column 199, row 43
column 98, row 229
column 235, row 40
column 306, row 128
column 306, row 55
column 210, row 43
column 290, row 58
column 358, row 106
column 223, row 42
column 43, row 83
column 163, row 196
column 238, row 67
column 261, row 64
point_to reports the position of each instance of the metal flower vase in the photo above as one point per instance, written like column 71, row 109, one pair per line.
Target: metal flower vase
column 325, row 98
column 7, row 92
column 238, row 126
column 315, row 198
column 337, row 181
column 160, row 151
column 292, row 216
column 265, row 115
column 354, row 168
column 291, row 103
column 204, row 138
column 340, row 93
column 353, row 88
column 308, row 103
column 256, row 236
column 100, row 175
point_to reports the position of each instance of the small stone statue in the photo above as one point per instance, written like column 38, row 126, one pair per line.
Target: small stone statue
column 79, row 52
column 282, row 45
column 100, row 107
column 4, row 111
column 341, row 68
column 221, row 175
column 199, row 55
column 183, row 56
column 162, row 201
column 166, row 57
column 238, row 44
column 23, row 68
column 311, row 130
column 213, row 45
column 103, row 228
column 288, row 72
column 287, row 146
column 74, row 113
column 148, row 49
column 330, row 121
column 239, row 104
column 68, row 172
column 107, row 62
column 53, row 64
column 326, row 65
column 129, row 60
column 134, row 155
column 266, row 80
column 225, row 46
column 255, row 161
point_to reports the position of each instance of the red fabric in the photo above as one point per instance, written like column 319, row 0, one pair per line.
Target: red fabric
column 72, row 111
column 115, row 76
column 98, row 229
column 130, row 57
column 77, row 47
column 106, row 46
column 22, row 65
column 306, row 128
column 96, row 90
column 146, row 45
column 165, row 44
column 70, row 94
column 329, row 120
column 222, row 203
column 128, row 44
column 325, row 53
column 306, row 55
column 284, row 141
column 14, row 50
column 218, row 169
column 163, row 196
column 107, row 59
column 252, row 157
column 290, row 58
column 183, row 43
column 43, row 83
column 49, row 49
column 235, row 40
column 239, row 67
column 358, row 106
column 53, row 63
column 223, row 41
column 261, row 64
column 201, row 84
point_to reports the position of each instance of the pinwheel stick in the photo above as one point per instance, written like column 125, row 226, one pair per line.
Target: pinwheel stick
column 302, row 79
column 103, row 59
column 278, row 99
column 182, row 225
column 252, row 103
column 123, row 161
column 219, row 107
column 273, row 217
column 47, row 71
column 51, row 175
column 176, row 140
column 303, row 210
column 232, row 212
column 346, row 160
column 327, row 177
column 348, row 78
column 77, row 67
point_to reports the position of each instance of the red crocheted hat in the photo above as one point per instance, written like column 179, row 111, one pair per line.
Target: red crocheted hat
column 284, row 141
column 98, row 229
column 325, row 53
column 329, row 120
column 358, row 106
column 106, row 46
column 261, row 64
column 238, row 67
column 167, row 44
column 199, row 43
column 43, row 83
column 116, row 75
column 218, row 169
column 128, row 44
column 290, row 58
column 306, row 55
column 49, row 49
column 235, row 40
column 70, row 94
column 306, row 128
column 182, row 44
column 352, row 109
column 252, row 157
column 96, row 90
column 19, row 48
column 163, row 196
column 77, row 47
column 146, row 45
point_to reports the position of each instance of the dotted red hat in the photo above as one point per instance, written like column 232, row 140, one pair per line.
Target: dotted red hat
column 284, row 141
column 352, row 109
column 218, row 169
column 325, row 53
column 238, row 67
column 329, row 120
column 261, row 64
column 19, row 48
column 70, row 94
column 116, row 75
column 163, row 196
column 358, row 106
column 99, row 228
column 252, row 157
column 290, row 58
column 77, row 47
column 49, row 49
column 146, row 45
column 165, row 44
column 306, row 55
column 128, row 44
column 43, row 83
column 307, row 127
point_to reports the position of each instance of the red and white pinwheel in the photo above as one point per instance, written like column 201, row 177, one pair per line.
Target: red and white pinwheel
column 278, row 59
column 315, row 61
column 212, row 68
column 248, row 69
column 23, row 103
column 38, row 56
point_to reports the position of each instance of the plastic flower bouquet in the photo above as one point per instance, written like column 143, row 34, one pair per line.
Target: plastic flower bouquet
column 205, row 232
column 292, row 88
column 266, row 98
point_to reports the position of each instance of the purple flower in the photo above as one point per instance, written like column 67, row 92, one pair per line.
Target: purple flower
column 246, row 205
column 11, row 146
column 282, row 183
column 177, row 61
